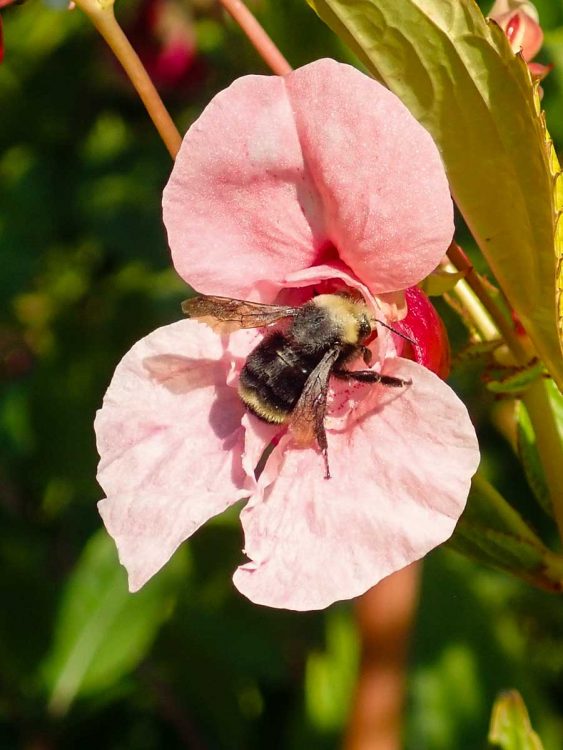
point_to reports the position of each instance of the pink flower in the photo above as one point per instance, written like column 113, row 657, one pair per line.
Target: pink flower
column 164, row 37
column 519, row 20
column 286, row 187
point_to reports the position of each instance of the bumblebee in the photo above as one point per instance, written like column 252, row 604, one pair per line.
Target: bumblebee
column 285, row 379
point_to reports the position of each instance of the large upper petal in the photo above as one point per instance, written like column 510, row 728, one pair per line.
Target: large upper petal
column 278, row 170
column 170, row 440
column 400, row 480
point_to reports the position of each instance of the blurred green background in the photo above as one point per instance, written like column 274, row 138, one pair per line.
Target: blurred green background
column 84, row 273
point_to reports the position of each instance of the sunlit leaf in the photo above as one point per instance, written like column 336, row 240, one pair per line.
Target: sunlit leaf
column 510, row 724
column 460, row 79
column 103, row 631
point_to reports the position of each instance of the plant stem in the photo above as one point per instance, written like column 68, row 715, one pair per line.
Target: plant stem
column 462, row 263
column 385, row 619
column 473, row 307
column 102, row 16
column 257, row 36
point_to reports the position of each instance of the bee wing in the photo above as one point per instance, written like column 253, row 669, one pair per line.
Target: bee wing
column 225, row 315
column 307, row 418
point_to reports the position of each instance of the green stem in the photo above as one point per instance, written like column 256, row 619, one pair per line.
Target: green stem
column 102, row 16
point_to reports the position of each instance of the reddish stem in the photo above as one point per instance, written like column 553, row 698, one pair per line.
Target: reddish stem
column 257, row 36
column 385, row 618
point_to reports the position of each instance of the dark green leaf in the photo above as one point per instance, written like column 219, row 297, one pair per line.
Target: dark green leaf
column 493, row 532
column 516, row 380
column 530, row 459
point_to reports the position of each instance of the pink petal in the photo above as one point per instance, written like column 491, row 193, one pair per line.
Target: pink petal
column 391, row 306
column 277, row 171
column 523, row 32
column 239, row 208
column 170, row 439
column 540, row 71
column 384, row 192
column 400, row 479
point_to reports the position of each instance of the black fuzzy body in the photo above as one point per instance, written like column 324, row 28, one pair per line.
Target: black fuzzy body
column 276, row 371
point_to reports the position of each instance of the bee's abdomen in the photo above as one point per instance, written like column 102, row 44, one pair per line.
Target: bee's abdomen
column 273, row 378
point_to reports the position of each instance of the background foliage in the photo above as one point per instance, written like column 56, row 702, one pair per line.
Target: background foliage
column 84, row 273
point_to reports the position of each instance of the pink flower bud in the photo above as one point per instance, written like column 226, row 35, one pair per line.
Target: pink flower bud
column 164, row 38
column 520, row 22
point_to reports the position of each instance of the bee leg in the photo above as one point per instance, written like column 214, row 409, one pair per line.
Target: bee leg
column 366, row 354
column 370, row 376
column 320, row 436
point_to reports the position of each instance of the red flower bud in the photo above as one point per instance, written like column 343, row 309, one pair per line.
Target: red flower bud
column 520, row 22
column 522, row 31
column 4, row 4
column 424, row 326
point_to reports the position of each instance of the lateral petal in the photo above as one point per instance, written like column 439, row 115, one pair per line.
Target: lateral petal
column 170, row 440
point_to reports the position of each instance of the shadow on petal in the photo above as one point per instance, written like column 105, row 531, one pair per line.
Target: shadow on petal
column 184, row 374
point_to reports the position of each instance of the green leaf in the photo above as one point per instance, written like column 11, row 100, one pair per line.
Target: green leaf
column 516, row 379
column 440, row 282
column 493, row 532
column 460, row 79
column 102, row 631
column 530, row 459
column 510, row 724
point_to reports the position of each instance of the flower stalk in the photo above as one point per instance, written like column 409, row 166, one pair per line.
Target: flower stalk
column 487, row 315
column 385, row 617
column 102, row 15
column 257, row 36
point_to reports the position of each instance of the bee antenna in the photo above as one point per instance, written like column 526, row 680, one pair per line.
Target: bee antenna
column 396, row 332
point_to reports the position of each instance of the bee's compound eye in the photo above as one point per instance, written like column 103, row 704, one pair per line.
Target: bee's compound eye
column 364, row 327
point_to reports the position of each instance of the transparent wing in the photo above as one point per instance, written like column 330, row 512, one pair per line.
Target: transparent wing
column 307, row 418
column 225, row 315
